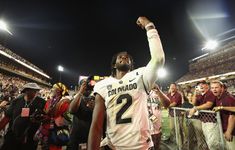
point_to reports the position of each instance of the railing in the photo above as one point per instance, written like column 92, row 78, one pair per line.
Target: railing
column 199, row 132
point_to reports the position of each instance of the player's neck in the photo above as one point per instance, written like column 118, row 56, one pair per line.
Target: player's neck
column 120, row 74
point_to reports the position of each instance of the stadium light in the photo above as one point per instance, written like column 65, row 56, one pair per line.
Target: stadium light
column 210, row 45
column 3, row 26
column 60, row 69
column 162, row 73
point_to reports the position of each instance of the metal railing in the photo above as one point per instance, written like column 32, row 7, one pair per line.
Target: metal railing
column 199, row 132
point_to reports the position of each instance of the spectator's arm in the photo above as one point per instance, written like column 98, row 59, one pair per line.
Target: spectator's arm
column 3, row 104
column 204, row 106
column 173, row 104
column 96, row 128
column 231, row 124
column 4, row 122
column 163, row 97
column 74, row 105
column 232, row 109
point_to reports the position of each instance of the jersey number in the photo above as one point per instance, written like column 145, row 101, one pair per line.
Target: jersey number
column 119, row 119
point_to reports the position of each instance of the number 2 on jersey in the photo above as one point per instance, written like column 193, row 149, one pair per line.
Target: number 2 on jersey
column 128, row 103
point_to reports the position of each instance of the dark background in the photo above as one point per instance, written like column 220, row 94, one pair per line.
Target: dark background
column 83, row 35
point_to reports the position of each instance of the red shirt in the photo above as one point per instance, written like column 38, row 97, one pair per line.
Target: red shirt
column 207, row 97
column 198, row 97
column 228, row 100
column 177, row 98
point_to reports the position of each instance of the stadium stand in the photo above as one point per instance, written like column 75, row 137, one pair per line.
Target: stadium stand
column 218, row 64
column 16, row 66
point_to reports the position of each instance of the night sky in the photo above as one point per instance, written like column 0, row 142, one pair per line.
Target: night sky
column 83, row 35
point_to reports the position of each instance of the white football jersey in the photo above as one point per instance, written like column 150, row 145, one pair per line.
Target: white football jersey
column 128, row 125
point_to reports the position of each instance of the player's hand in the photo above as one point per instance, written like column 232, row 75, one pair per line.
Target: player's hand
column 142, row 21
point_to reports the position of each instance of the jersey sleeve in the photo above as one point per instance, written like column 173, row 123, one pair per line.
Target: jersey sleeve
column 157, row 58
column 100, row 88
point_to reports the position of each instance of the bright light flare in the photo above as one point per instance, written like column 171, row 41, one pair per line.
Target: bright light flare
column 162, row 73
column 3, row 26
column 60, row 68
column 210, row 45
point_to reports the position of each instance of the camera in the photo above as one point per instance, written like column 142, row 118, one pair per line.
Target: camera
column 198, row 88
column 90, row 83
column 38, row 116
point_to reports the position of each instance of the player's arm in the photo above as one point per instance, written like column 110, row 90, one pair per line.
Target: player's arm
column 96, row 128
column 156, row 51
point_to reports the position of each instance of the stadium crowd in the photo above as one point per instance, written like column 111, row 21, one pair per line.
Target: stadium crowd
column 215, row 63
column 11, row 88
column 9, row 52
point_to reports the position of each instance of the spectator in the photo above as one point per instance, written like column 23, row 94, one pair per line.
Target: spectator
column 223, row 98
column 175, row 101
column 205, row 101
column 56, row 118
column 21, row 128
column 82, row 108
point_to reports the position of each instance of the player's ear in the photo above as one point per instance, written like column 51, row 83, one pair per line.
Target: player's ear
column 114, row 66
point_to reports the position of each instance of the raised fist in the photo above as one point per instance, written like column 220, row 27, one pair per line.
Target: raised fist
column 142, row 22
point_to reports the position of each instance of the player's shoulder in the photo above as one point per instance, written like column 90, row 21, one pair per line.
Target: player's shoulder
column 104, row 82
column 137, row 72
